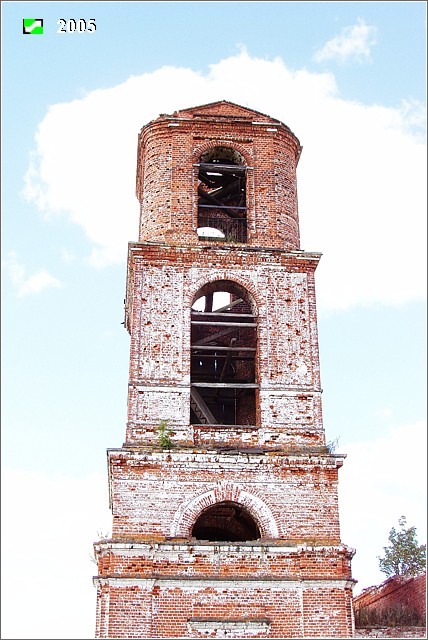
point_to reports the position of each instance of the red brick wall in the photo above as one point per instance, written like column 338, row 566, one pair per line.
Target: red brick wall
column 166, row 279
column 162, row 494
column 170, row 146
column 288, row 610
column 204, row 560
column 398, row 593
column 155, row 579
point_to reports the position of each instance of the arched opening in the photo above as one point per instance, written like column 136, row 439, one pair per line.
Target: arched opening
column 226, row 522
column 222, row 195
column 223, row 355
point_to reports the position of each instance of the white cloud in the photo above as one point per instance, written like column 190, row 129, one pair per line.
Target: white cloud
column 381, row 480
column 67, row 256
column 354, row 43
column 385, row 413
column 48, row 527
column 29, row 284
column 361, row 177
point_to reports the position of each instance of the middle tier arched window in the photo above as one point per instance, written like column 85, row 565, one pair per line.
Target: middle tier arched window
column 223, row 372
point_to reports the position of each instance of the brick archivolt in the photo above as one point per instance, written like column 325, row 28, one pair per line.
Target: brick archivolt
column 188, row 512
column 223, row 275
column 222, row 142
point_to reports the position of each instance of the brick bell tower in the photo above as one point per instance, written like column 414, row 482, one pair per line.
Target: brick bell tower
column 224, row 494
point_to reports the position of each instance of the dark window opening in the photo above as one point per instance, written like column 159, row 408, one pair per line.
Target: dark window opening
column 222, row 207
column 226, row 522
column 223, row 356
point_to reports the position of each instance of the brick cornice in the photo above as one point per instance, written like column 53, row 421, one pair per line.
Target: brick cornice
column 158, row 252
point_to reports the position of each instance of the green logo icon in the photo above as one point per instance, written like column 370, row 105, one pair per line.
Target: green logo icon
column 32, row 25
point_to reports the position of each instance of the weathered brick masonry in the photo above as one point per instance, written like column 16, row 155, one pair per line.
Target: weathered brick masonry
column 233, row 531
column 398, row 595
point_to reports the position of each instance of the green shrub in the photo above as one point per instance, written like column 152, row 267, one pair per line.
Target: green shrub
column 164, row 435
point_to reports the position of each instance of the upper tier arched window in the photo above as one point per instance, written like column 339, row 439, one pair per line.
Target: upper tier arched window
column 222, row 206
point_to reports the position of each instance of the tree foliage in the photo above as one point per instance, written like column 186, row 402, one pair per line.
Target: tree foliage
column 403, row 556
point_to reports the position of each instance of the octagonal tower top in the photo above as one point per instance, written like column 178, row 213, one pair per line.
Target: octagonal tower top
column 218, row 173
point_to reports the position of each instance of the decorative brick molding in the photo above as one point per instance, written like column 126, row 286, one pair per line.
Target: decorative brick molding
column 187, row 514
column 212, row 628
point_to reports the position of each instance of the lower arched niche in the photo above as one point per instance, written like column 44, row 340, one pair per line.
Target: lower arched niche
column 226, row 521
column 189, row 511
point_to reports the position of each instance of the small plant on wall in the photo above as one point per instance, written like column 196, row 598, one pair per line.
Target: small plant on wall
column 164, row 435
column 332, row 445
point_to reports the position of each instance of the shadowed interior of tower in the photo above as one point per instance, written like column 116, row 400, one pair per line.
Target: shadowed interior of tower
column 222, row 210
column 225, row 522
column 224, row 343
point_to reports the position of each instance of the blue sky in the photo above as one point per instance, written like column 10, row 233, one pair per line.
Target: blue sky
column 349, row 79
